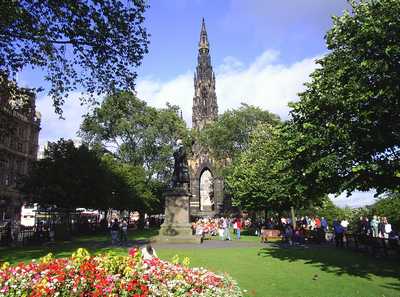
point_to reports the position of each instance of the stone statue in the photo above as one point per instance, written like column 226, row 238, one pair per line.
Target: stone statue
column 176, row 227
column 180, row 177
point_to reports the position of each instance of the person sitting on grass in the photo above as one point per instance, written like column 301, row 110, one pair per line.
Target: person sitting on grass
column 148, row 252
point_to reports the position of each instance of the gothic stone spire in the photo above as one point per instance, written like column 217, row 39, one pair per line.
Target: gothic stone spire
column 205, row 108
column 203, row 43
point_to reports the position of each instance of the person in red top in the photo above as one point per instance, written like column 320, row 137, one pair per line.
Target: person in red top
column 239, row 226
column 317, row 223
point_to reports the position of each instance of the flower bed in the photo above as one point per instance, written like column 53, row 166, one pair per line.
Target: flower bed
column 109, row 275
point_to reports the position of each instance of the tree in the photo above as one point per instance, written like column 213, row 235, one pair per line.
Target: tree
column 71, row 177
column 135, row 133
column 347, row 121
column 130, row 190
column 327, row 209
column 227, row 137
column 91, row 44
column 262, row 177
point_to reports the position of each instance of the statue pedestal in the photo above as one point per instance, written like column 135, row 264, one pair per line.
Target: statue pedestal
column 176, row 227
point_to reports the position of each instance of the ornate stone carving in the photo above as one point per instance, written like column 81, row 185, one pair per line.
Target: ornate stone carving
column 205, row 110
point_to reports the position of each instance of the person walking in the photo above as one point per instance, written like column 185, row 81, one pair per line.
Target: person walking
column 338, row 230
column 239, row 226
column 387, row 227
column 374, row 226
column 324, row 224
column 225, row 226
column 124, row 231
column 114, row 231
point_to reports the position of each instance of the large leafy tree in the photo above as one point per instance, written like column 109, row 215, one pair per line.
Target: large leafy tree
column 136, row 133
column 129, row 187
column 347, row 122
column 70, row 177
column 227, row 137
column 94, row 45
column 263, row 178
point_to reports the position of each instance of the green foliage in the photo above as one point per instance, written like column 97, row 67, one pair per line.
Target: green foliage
column 71, row 177
column 328, row 210
column 130, row 189
column 388, row 207
column 262, row 177
column 91, row 44
column 136, row 134
column 227, row 137
column 347, row 121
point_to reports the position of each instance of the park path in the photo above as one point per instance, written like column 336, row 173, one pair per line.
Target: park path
column 208, row 244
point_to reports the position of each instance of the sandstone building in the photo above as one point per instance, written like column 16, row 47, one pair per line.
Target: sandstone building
column 206, row 187
column 19, row 133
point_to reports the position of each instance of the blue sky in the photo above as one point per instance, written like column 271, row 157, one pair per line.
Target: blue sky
column 242, row 29
column 262, row 52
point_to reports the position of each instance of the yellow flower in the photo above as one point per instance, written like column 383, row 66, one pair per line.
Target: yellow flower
column 186, row 262
column 5, row 265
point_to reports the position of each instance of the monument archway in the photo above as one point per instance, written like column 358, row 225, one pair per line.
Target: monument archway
column 206, row 190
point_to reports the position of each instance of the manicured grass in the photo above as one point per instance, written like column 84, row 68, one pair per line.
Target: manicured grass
column 274, row 271
column 299, row 272
column 97, row 243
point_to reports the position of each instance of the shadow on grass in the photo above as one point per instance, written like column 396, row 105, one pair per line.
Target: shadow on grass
column 392, row 286
column 97, row 243
column 337, row 261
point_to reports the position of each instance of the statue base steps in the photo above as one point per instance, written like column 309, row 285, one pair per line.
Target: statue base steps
column 176, row 227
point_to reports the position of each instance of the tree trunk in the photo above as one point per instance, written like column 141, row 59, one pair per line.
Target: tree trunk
column 293, row 217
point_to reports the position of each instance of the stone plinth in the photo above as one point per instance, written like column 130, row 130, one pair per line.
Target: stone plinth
column 176, row 227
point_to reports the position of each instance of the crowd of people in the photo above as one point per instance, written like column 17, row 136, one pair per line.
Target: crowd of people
column 222, row 226
column 306, row 229
column 376, row 227
column 219, row 226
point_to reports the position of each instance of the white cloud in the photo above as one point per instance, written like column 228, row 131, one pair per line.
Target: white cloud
column 178, row 91
column 54, row 128
column 356, row 199
column 263, row 83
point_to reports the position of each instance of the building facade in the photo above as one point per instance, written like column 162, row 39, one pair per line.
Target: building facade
column 206, row 187
column 19, row 142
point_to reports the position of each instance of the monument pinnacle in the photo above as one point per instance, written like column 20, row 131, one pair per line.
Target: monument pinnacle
column 205, row 108
column 203, row 43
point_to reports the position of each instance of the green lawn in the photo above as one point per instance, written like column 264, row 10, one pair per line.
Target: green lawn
column 265, row 272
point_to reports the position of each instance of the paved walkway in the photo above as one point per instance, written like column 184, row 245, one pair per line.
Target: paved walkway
column 208, row 244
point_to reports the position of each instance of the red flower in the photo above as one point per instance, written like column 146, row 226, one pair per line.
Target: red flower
column 133, row 252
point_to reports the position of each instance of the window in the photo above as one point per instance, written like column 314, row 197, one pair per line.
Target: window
column 3, row 164
column 20, row 166
column 21, row 132
column 19, row 147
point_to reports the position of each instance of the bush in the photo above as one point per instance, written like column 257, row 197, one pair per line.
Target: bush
column 110, row 275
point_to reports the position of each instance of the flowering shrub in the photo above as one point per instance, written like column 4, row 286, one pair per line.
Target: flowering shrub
column 109, row 275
